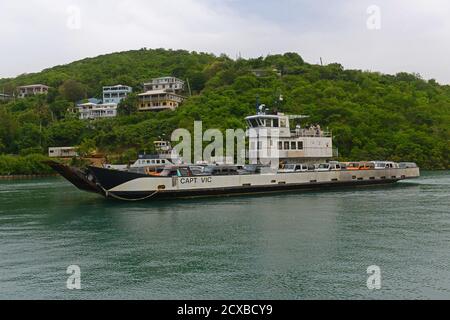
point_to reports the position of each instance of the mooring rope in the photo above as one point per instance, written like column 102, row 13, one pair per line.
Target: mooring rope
column 107, row 193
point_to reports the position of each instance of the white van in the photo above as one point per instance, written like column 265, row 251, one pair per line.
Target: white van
column 294, row 168
column 332, row 166
column 385, row 165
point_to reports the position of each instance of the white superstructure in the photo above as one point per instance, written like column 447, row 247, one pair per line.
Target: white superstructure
column 273, row 133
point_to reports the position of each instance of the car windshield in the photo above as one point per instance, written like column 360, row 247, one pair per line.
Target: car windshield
column 324, row 166
column 208, row 170
column 289, row 167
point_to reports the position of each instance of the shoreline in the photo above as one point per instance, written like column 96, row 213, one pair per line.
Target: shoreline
column 26, row 176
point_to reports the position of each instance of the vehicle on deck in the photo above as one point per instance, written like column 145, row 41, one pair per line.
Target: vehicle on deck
column 385, row 164
column 407, row 165
column 352, row 165
column 330, row 166
column 288, row 168
column 366, row 166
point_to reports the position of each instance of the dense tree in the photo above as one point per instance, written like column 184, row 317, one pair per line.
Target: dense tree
column 128, row 105
column 72, row 90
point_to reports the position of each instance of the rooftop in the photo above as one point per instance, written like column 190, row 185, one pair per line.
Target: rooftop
column 117, row 86
column 103, row 105
column 34, row 86
column 155, row 92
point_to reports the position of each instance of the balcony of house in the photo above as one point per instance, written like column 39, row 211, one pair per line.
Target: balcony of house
column 165, row 83
column 313, row 131
column 157, row 106
column 159, row 100
column 95, row 111
column 31, row 90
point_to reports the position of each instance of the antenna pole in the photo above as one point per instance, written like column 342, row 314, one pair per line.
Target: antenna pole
column 189, row 87
column 257, row 104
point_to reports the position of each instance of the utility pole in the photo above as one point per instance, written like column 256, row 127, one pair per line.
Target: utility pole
column 189, row 87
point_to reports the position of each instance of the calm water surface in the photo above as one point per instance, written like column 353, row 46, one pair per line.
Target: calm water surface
column 308, row 245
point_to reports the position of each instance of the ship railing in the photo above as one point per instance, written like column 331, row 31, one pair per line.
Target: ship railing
column 311, row 133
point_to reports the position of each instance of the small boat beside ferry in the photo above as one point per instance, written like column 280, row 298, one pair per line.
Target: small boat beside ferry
column 304, row 157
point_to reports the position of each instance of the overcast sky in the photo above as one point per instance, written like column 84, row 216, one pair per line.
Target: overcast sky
column 378, row 35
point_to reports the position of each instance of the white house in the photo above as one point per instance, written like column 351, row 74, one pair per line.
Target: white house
column 92, row 110
column 115, row 94
column 62, row 152
column 31, row 90
column 165, row 83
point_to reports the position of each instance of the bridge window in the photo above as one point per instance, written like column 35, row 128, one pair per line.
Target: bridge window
column 253, row 123
column 286, row 145
column 293, row 145
column 280, row 145
column 300, row 145
column 275, row 123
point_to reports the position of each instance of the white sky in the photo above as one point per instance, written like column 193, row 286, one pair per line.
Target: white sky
column 413, row 36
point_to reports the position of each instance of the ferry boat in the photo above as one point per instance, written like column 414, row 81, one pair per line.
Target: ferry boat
column 304, row 155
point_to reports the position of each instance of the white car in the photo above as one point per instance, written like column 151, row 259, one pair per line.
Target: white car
column 385, row 165
column 294, row 168
column 329, row 167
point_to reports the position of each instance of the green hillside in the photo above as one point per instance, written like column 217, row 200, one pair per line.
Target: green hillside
column 372, row 115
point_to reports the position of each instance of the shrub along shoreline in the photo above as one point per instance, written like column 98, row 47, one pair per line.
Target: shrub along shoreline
column 31, row 165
